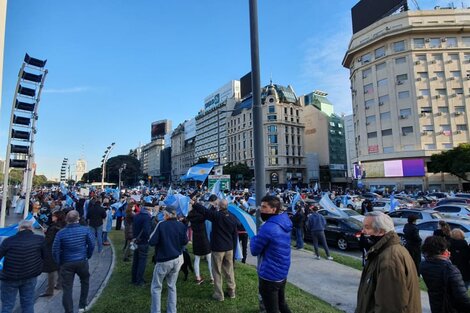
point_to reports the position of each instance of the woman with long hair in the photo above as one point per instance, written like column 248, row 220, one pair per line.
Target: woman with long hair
column 443, row 230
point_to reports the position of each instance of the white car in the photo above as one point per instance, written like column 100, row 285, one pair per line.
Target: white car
column 400, row 217
column 458, row 211
column 383, row 205
column 427, row 228
column 352, row 202
column 351, row 213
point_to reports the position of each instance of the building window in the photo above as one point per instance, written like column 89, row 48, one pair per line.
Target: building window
column 272, row 161
column 453, row 56
column 372, row 135
column 434, row 43
column 273, row 150
column 399, row 46
column 428, row 128
column 462, row 127
column 421, row 57
column 272, row 128
column 445, row 127
column 439, row 74
column 385, row 116
column 272, row 139
column 366, row 73
column 285, row 110
column 437, row 56
column 466, row 41
column 458, row 91
column 271, row 109
column 460, row 109
column 369, row 103
column 400, row 60
column 455, row 74
column 424, row 92
column 379, row 52
column 384, row 99
column 407, row 130
column 369, row 89
column 408, row 147
column 451, row 42
column 366, row 58
column 382, row 82
column 332, row 124
column 430, row 146
column 401, row 78
column 423, row 75
column 441, row 91
column 388, row 149
column 405, row 113
column 447, row 146
column 370, row 119
column 466, row 57
column 403, row 94
column 387, row 132
column 272, row 117
column 418, row 43
column 380, row 66
column 443, row 109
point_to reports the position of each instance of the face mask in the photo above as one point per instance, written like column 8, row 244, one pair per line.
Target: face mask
column 266, row 216
column 374, row 239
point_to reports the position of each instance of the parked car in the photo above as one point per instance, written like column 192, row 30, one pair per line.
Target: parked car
column 463, row 195
column 342, row 231
column 400, row 217
column 371, row 196
column 353, row 202
column 427, row 228
column 350, row 212
column 383, row 205
column 463, row 201
column 437, row 195
column 457, row 211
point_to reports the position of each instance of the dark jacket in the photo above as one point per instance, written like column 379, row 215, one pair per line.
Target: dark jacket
column 411, row 233
column 298, row 220
column 73, row 243
column 272, row 244
column 128, row 225
column 316, row 222
column 224, row 228
column 95, row 215
column 24, row 253
column 460, row 257
column 169, row 238
column 50, row 265
column 201, row 245
column 142, row 223
column 435, row 272
column 389, row 281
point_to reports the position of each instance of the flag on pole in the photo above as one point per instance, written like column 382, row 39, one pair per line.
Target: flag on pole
column 328, row 205
column 296, row 199
column 393, row 202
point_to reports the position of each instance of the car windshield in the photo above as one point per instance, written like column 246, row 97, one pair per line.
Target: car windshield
column 351, row 212
column 436, row 215
column 354, row 224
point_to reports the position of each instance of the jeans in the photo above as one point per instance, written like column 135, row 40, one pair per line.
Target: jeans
column 197, row 260
column 168, row 270
column 273, row 296
column 10, row 290
column 320, row 236
column 222, row 264
column 299, row 236
column 138, row 263
column 98, row 232
column 67, row 274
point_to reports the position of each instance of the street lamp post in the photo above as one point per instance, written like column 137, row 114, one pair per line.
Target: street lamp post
column 103, row 161
column 123, row 167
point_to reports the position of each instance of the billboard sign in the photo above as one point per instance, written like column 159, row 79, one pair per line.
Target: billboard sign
column 190, row 129
column 394, row 168
column 160, row 129
column 367, row 12
column 224, row 182
column 229, row 90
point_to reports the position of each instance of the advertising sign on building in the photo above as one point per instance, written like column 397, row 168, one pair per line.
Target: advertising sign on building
column 229, row 90
column 224, row 181
column 190, row 129
column 160, row 129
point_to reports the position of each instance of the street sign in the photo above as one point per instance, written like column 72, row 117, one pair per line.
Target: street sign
column 224, row 181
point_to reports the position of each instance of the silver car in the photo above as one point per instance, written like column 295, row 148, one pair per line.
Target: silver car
column 427, row 228
column 400, row 217
column 457, row 211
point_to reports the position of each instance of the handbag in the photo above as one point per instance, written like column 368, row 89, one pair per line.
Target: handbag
column 133, row 245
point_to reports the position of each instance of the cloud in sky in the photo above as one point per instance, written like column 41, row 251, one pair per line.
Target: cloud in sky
column 322, row 68
column 66, row 90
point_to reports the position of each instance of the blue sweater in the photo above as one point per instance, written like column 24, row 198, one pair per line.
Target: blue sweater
column 73, row 243
column 273, row 245
column 316, row 222
column 169, row 238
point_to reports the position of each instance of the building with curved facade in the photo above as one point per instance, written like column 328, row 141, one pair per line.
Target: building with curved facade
column 410, row 86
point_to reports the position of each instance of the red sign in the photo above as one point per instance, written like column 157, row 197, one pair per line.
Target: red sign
column 374, row 149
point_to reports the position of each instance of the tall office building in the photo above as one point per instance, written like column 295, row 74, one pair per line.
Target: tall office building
column 211, row 132
column 350, row 145
column 410, row 84
column 80, row 168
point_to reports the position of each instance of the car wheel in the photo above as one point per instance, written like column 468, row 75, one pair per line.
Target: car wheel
column 402, row 239
column 350, row 206
column 342, row 243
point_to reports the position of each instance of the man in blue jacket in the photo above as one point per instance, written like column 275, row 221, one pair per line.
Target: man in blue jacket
column 141, row 229
column 72, row 247
column 24, row 253
column 169, row 238
column 272, row 245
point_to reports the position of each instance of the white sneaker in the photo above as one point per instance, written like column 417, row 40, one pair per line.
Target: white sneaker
column 82, row 310
column 330, row 258
column 318, row 257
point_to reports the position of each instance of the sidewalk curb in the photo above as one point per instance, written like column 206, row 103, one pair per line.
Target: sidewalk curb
column 105, row 281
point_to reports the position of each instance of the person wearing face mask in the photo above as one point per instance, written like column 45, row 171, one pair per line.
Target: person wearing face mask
column 389, row 281
column 272, row 245
column 316, row 225
column 446, row 288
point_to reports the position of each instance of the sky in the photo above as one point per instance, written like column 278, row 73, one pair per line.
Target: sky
column 116, row 66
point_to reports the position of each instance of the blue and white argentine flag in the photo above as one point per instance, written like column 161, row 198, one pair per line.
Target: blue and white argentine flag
column 248, row 221
column 199, row 171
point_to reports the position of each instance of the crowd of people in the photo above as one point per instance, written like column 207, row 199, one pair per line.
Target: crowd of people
column 74, row 229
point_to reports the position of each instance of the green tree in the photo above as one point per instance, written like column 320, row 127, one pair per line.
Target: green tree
column 455, row 161
column 39, row 180
column 130, row 176
column 234, row 170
